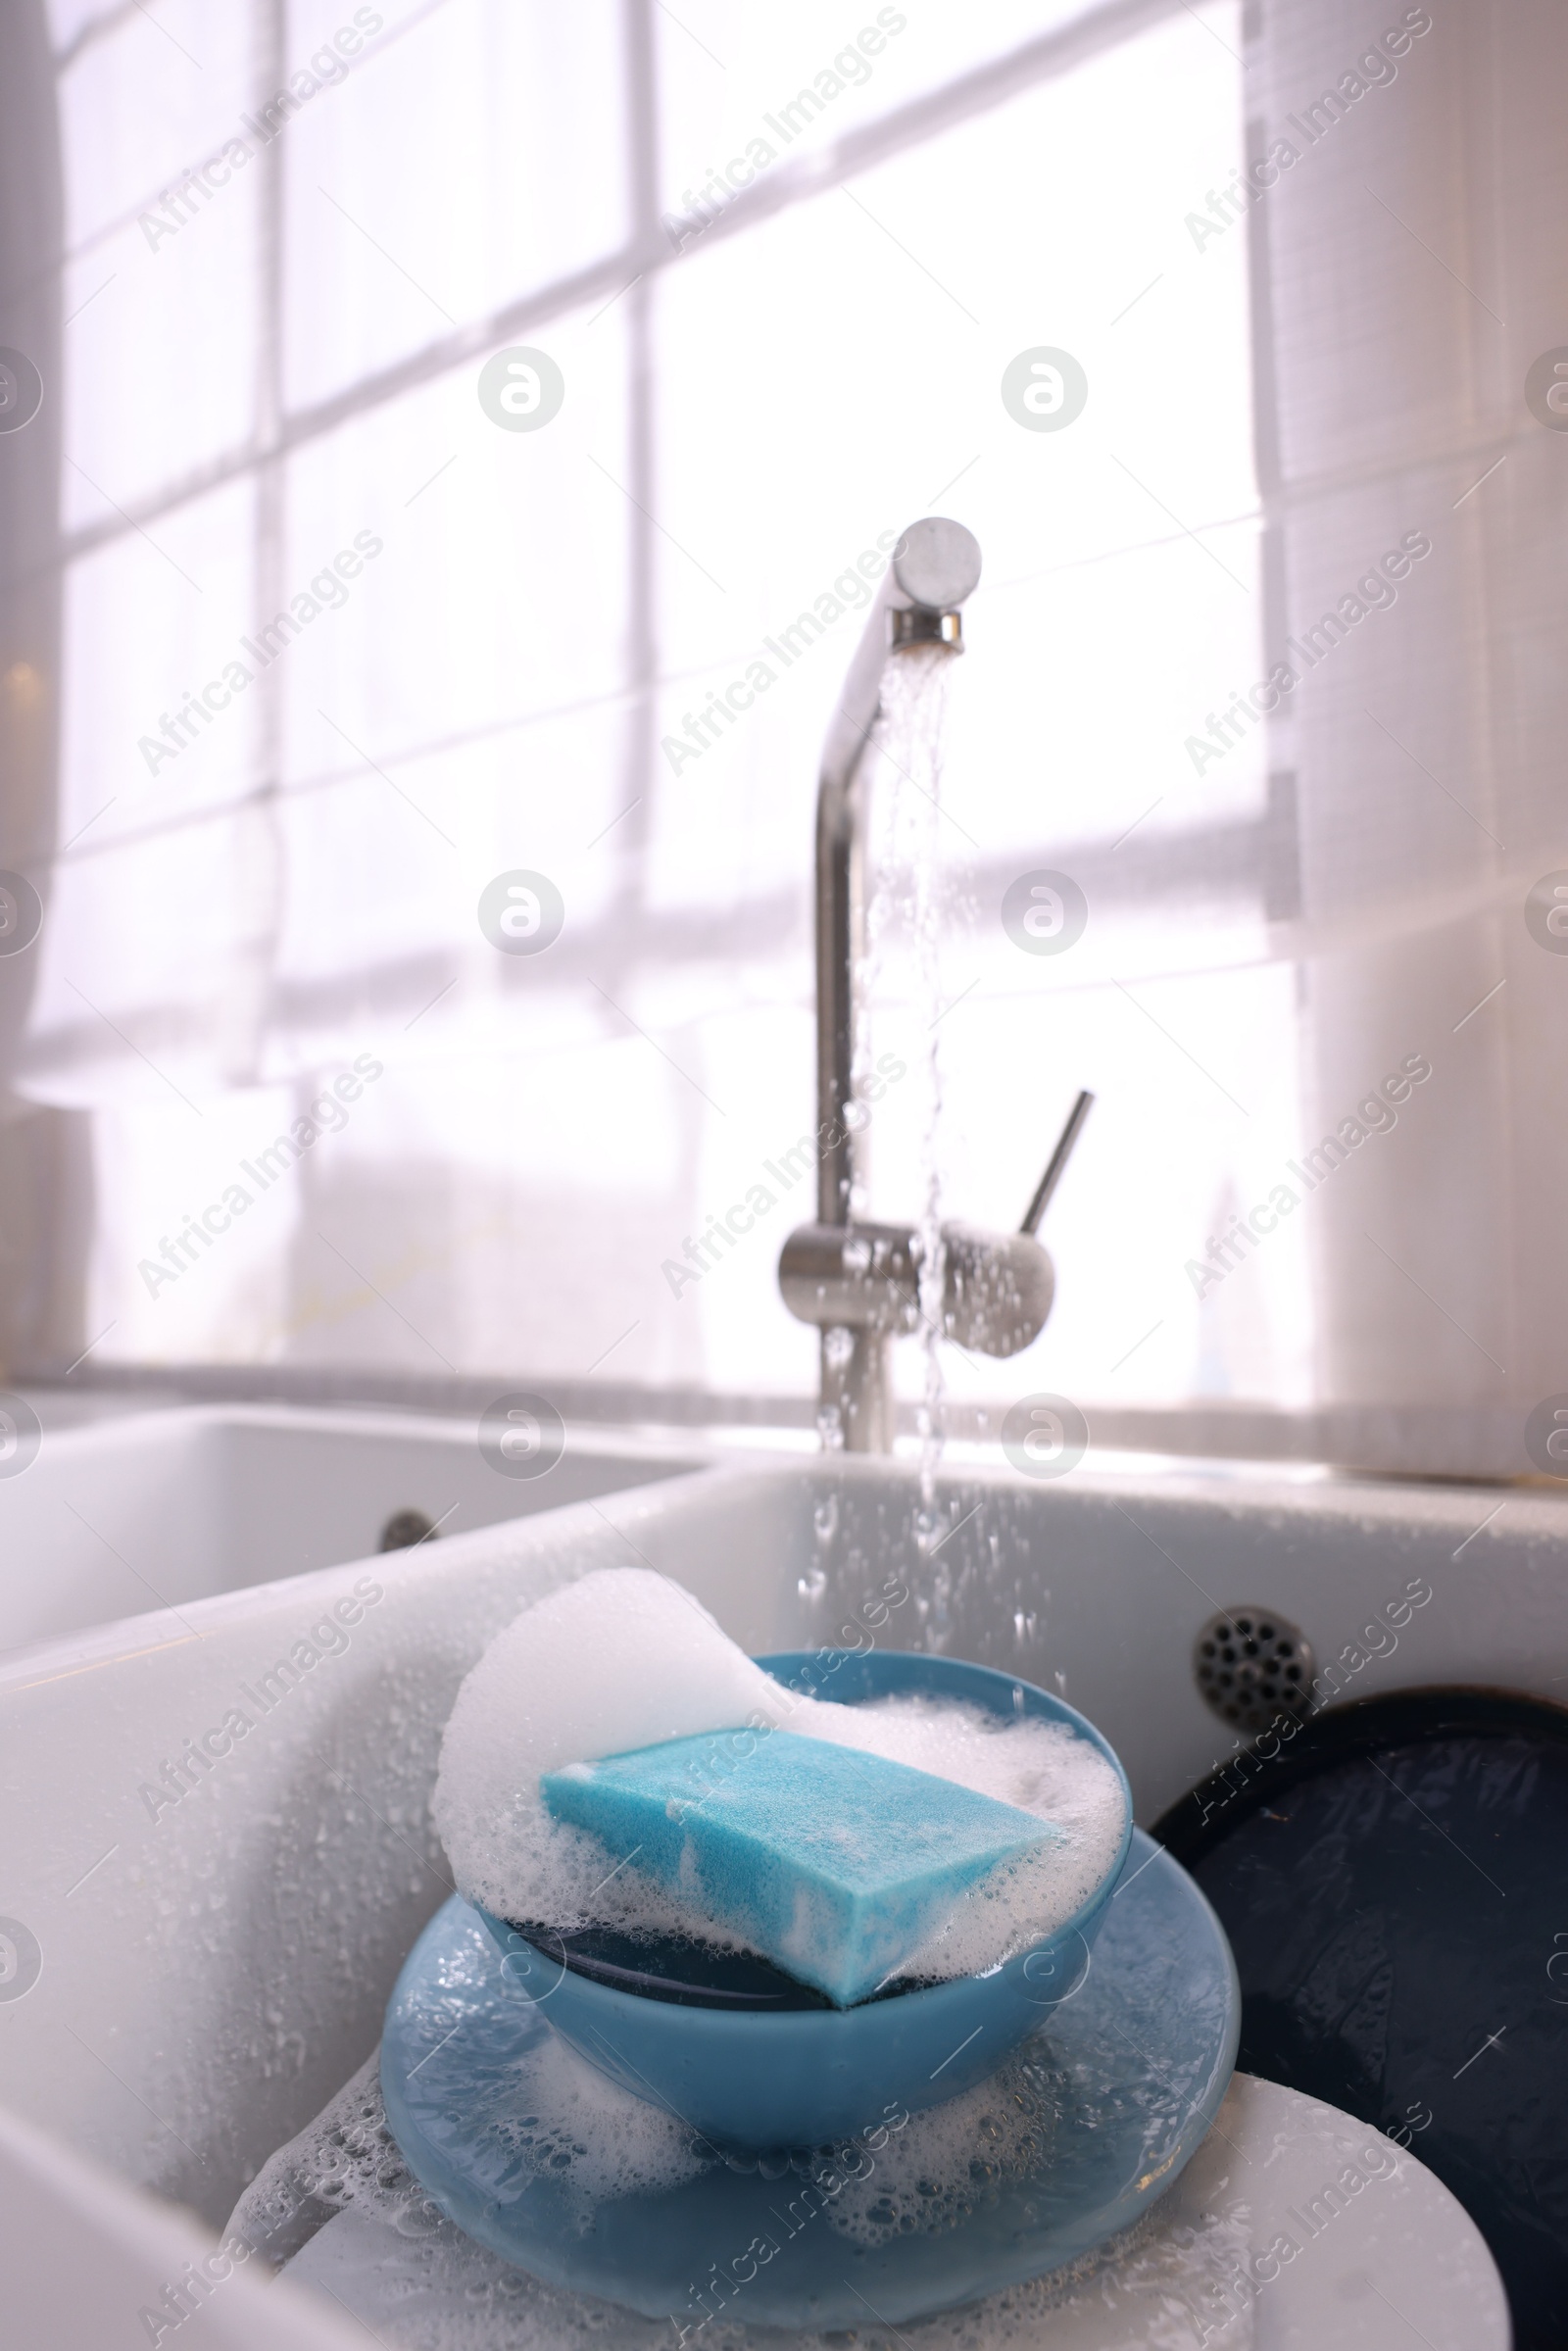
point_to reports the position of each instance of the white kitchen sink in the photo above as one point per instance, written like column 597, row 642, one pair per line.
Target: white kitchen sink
column 152, row 1509
column 211, row 1944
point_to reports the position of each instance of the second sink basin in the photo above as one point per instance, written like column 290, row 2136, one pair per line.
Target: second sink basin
column 152, row 1508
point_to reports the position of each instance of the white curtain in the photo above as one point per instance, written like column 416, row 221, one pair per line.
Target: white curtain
column 1413, row 285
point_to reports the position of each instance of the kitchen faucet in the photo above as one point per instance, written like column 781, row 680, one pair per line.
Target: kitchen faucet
column 859, row 1282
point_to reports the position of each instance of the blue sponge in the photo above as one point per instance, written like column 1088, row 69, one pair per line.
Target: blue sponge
column 833, row 1863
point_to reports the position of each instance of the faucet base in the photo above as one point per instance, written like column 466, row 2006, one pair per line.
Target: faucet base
column 857, row 1410
column 997, row 1287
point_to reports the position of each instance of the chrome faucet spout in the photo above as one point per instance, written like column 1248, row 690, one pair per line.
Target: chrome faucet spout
column 935, row 566
column 859, row 1283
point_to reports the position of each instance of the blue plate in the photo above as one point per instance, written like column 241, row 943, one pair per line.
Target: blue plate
column 815, row 2072
column 1083, row 2126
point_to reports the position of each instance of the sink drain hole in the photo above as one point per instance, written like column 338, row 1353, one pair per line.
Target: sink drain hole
column 1254, row 1665
column 404, row 1529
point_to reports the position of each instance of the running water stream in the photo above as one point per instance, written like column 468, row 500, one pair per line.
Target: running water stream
column 905, row 900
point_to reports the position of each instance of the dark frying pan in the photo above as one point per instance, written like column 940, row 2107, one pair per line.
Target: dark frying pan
column 1394, row 1880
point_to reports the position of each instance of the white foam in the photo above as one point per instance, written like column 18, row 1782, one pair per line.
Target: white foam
column 549, row 2115
column 621, row 1659
column 571, row 2125
column 625, row 1658
column 1042, row 1767
column 932, row 2173
column 394, row 2262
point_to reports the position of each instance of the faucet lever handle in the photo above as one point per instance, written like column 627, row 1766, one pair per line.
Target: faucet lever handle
column 1056, row 1164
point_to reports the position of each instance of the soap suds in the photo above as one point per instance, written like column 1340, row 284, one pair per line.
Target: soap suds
column 1043, row 1767
column 546, row 2115
column 625, row 1658
column 339, row 2208
column 347, row 2157
column 621, row 1659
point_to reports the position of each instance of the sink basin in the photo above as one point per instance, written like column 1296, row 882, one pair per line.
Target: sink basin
column 122, row 1514
column 212, row 1917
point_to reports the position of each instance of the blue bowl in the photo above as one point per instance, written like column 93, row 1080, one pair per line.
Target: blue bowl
column 811, row 2074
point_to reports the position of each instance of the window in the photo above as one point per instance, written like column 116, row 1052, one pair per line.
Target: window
column 335, row 651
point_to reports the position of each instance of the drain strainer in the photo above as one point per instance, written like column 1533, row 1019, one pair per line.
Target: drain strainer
column 1253, row 1666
